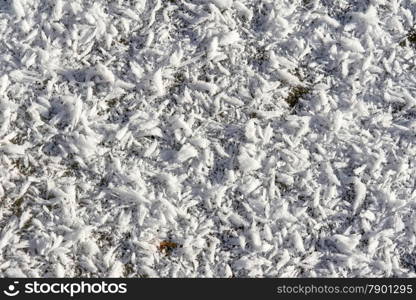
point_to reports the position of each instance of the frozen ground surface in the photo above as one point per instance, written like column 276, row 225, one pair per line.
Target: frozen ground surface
column 213, row 138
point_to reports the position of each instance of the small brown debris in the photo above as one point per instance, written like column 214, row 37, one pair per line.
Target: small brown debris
column 167, row 247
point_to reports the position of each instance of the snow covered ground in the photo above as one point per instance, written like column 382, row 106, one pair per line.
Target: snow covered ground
column 207, row 138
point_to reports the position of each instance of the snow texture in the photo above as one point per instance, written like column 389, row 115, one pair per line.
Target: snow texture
column 207, row 138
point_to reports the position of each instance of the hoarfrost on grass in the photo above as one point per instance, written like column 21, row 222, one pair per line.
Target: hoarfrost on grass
column 221, row 138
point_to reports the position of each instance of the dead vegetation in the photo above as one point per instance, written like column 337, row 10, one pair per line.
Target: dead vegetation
column 410, row 38
column 295, row 94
